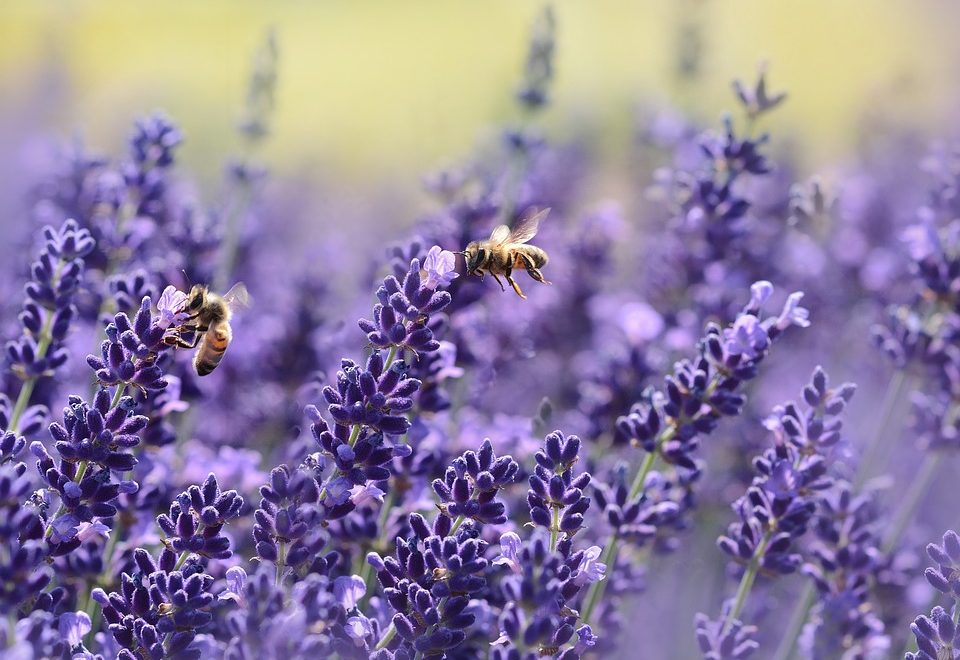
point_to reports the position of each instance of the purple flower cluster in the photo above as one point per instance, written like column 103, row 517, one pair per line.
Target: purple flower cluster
column 48, row 310
column 778, row 507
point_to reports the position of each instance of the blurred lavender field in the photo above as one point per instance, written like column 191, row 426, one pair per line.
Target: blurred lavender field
column 725, row 428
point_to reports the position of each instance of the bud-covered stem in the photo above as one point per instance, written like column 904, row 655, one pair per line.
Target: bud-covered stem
column 43, row 345
column 746, row 582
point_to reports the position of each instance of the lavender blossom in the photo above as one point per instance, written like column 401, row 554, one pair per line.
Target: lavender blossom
column 288, row 520
column 160, row 609
column 404, row 308
column 780, row 503
column 48, row 311
column 470, row 486
column 556, row 498
column 937, row 636
column 196, row 518
column 129, row 354
column 93, row 441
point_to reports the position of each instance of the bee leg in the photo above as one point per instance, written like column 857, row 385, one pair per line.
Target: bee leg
column 533, row 271
column 516, row 287
column 538, row 276
column 178, row 342
column 494, row 276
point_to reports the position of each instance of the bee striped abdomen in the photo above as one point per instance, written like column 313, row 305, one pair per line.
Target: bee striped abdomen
column 538, row 256
column 212, row 348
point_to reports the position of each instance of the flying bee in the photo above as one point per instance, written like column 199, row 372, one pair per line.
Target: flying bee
column 506, row 251
column 209, row 323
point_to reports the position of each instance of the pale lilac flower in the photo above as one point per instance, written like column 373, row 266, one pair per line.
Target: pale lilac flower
column 746, row 337
column 64, row 528
column 170, row 308
column 236, row 579
column 366, row 494
column 591, row 570
column 510, row 545
column 793, row 313
column 89, row 530
column 504, row 638
column 73, row 626
column 358, row 629
column 338, row 491
column 440, row 266
column 348, row 590
column 585, row 640
column 759, row 293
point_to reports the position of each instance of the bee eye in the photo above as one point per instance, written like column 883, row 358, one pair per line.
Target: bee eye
column 195, row 303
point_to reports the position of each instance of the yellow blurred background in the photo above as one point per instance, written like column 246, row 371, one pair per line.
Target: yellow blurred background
column 376, row 90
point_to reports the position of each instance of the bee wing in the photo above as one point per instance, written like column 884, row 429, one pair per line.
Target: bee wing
column 527, row 227
column 500, row 234
column 237, row 297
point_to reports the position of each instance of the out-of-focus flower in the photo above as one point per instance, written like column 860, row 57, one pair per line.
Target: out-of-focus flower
column 236, row 579
column 509, row 549
column 73, row 626
column 348, row 590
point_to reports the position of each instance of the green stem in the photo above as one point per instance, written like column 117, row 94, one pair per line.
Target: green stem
column 93, row 608
column 554, row 528
column 875, row 450
column 648, row 462
column 43, row 345
column 609, row 556
column 746, row 583
column 919, row 485
column 364, row 569
column 388, row 635
column 281, row 561
column 456, row 525
column 797, row 620
column 391, row 356
column 186, row 553
column 354, row 434
column 118, row 395
column 26, row 391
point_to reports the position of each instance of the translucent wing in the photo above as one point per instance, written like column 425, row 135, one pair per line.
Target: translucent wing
column 500, row 234
column 237, row 297
column 527, row 227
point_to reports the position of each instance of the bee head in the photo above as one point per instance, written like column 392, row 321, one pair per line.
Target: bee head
column 474, row 256
column 197, row 297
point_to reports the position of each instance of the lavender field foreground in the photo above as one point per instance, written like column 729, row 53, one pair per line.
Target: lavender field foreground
column 656, row 454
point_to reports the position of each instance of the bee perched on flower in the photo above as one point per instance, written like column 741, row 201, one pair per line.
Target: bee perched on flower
column 205, row 317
